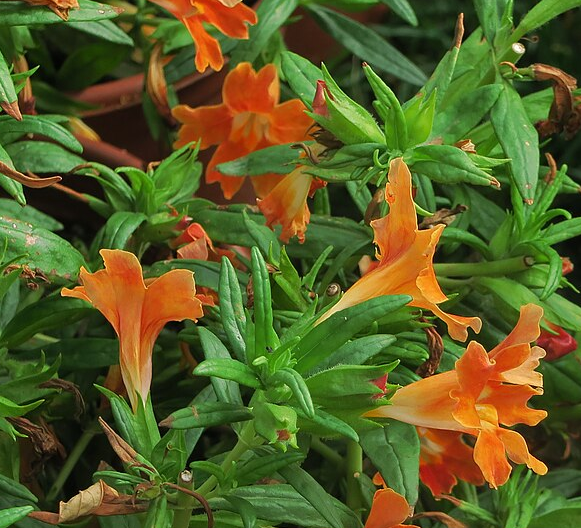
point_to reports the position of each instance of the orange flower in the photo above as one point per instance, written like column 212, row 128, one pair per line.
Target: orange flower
column 389, row 509
column 445, row 457
column 228, row 16
column 484, row 392
column 137, row 311
column 250, row 118
column 286, row 204
column 405, row 258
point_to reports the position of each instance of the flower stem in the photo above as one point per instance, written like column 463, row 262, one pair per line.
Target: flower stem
column 496, row 267
column 72, row 460
column 245, row 442
column 354, row 468
column 182, row 515
column 326, row 452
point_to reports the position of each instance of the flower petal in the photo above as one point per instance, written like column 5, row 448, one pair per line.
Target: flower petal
column 518, row 452
column 211, row 124
column 489, row 454
column 286, row 205
column 246, row 90
column 230, row 20
column 510, row 402
column 208, row 51
column 527, row 328
column 227, row 151
column 288, row 123
column 388, row 509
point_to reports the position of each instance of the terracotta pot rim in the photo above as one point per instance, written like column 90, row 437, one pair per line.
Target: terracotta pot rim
column 125, row 93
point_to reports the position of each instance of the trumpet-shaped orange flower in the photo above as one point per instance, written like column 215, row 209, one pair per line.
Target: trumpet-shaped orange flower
column 137, row 311
column 445, row 458
column 286, row 204
column 482, row 393
column 405, row 258
column 250, row 118
column 228, row 16
column 389, row 509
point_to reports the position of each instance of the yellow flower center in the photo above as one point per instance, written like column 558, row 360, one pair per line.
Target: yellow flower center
column 250, row 123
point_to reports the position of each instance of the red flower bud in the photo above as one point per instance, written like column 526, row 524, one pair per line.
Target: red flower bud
column 319, row 102
column 567, row 265
column 556, row 345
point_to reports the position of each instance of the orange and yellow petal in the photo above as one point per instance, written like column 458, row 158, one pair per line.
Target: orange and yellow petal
column 424, row 403
column 518, row 452
column 489, row 454
column 208, row 51
column 510, row 402
column 388, row 509
column 526, row 330
column 227, row 151
column 286, row 205
column 210, row 124
column 288, row 123
column 246, row 90
column 231, row 20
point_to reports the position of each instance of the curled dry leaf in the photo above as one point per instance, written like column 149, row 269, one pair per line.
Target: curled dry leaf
column 436, row 349
column 155, row 83
column 442, row 216
column 564, row 115
column 98, row 499
column 32, row 181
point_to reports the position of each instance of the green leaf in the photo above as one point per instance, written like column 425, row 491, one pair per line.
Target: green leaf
column 302, row 76
column 245, row 509
column 542, row 13
column 395, row 451
column 335, row 331
column 265, row 337
column 325, row 424
column 519, row 140
column 488, row 16
column 232, row 313
column 447, row 164
column 205, row 273
column 157, row 514
column 281, row 504
column 8, row 95
column 46, row 314
column 562, row 231
column 105, row 30
column 42, row 157
column 455, row 121
column 10, row 488
column 56, row 258
column 561, row 382
column 261, row 466
column 87, row 64
column 367, row 45
column 177, row 177
column 314, row 493
column 227, row 391
column 452, row 234
column 228, row 369
column 563, row 518
column 207, row 415
column 272, row 14
column 117, row 231
column 295, row 382
column 403, row 9
column 11, row 515
column 42, row 125
column 278, row 159
column 13, row 14
column 356, row 352
column 13, row 188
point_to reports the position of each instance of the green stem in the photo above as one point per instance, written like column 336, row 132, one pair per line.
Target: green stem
column 326, row 452
column 496, row 267
column 244, row 443
column 71, row 461
column 186, row 503
column 354, row 468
